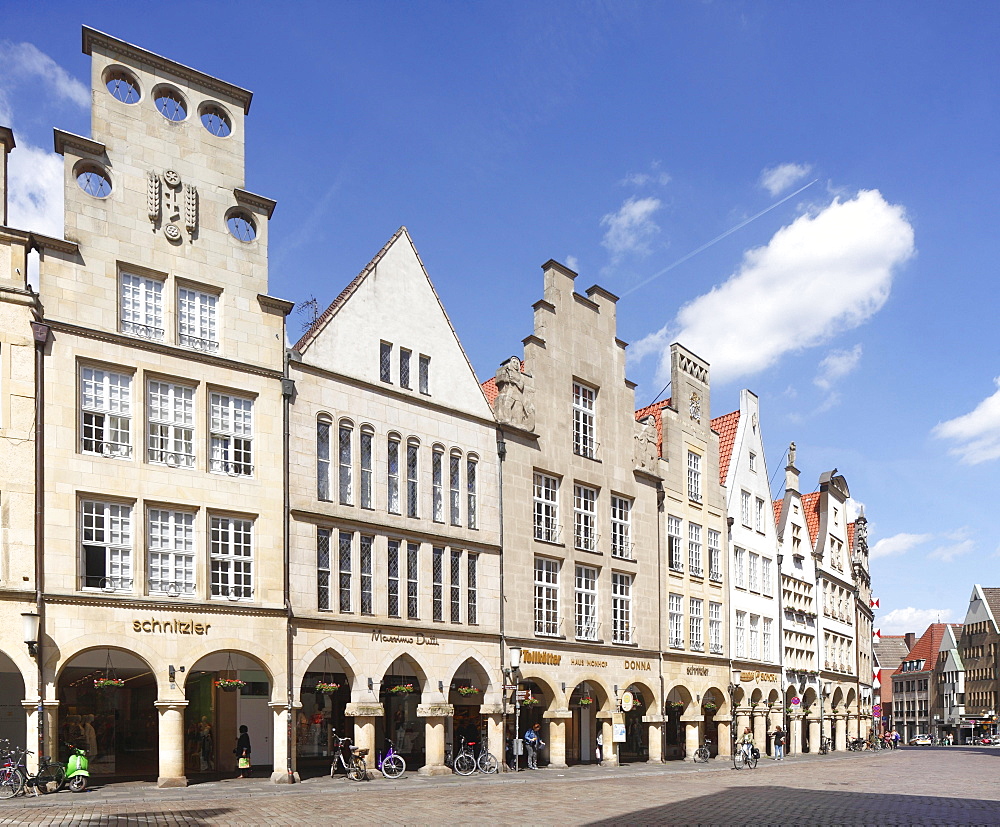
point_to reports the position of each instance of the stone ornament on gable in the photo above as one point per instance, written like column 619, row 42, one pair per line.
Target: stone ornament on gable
column 167, row 202
column 515, row 403
column 645, row 450
column 694, row 407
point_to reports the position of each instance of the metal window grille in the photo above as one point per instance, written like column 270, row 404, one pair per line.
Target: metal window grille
column 196, row 320
column 621, row 607
column 583, row 421
column 367, row 604
column 675, row 608
column 714, row 556
column 437, row 588
column 412, row 562
column 171, row 552
column 546, row 596
column 546, row 508
column 694, row 550
column 323, row 460
column 392, row 578
column 323, row 568
column 232, row 434
column 694, row 476
column 141, row 307
column 232, row 558
column 107, row 546
column 170, row 436
column 585, row 517
column 621, row 527
column 696, row 627
column 585, row 599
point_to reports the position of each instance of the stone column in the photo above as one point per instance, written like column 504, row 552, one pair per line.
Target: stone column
column 742, row 722
column 840, row 724
column 609, row 749
column 692, row 737
column 434, row 716
column 365, row 715
column 655, row 736
column 725, row 745
column 283, row 773
column 494, row 730
column 557, row 735
column 814, row 734
column 794, row 746
column 171, row 729
column 853, row 726
column 50, row 715
column 760, row 730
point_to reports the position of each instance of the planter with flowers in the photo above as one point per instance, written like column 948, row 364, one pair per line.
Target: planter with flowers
column 676, row 706
column 467, row 691
column 326, row 688
column 230, row 684
column 108, row 683
column 402, row 689
column 708, row 707
column 529, row 702
column 586, row 701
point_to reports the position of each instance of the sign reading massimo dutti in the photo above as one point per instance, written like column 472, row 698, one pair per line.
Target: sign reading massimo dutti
column 418, row 639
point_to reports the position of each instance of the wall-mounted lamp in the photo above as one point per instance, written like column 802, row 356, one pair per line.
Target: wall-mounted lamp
column 441, row 687
column 31, row 625
column 501, row 449
column 371, row 684
column 515, row 657
column 564, row 686
column 172, row 672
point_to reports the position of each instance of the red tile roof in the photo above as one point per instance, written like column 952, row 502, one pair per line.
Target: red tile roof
column 777, row 505
column 850, row 537
column 655, row 411
column 926, row 648
column 810, row 509
column 490, row 389
column 725, row 427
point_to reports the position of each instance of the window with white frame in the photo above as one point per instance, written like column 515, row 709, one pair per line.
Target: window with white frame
column 197, row 325
column 106, row 403
column 142, row 307
column 621, row 527
column 741, row 634
column 754, row 636
column 765, row 577
column 586, row 603
column 385, row 362
column 232, row 558
column 621, row 607
column 472, row 589
column 170, row 426
column 455, row 487
column 392, row 578
column 171, row 552
column 367, row 601
column 546, row 596
column 714, row 556
column 323, row 569
column 583, row 421
column 766, row 638
column 106, row 534
column 425, row 374
column 412, row 479
column 323, row 426
column 675, row 613
column 696, row 624
column 367, row 468
column 412, row 580
column 745, row 508
column 674, row 555
column 456, row 585
column 346, row 581
column 715, row 628
column 345, row 454
column 437, row 583
column 694, row 550
column 546, row 507
column 392, row 476
column 753, row 462
column 471, row 486
column 753, row 564
column 232, row 434
column 694, row 476
column 585, row 517
column 437, row 485
column 758, row 518
column 404, row 368
column 739, row 567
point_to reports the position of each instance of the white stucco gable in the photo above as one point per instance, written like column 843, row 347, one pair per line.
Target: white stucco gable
column 393, row 302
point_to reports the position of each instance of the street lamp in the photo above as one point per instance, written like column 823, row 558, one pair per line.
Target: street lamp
column 733, row 686
column 824, row 692
column 31, row 626
column 514, row 653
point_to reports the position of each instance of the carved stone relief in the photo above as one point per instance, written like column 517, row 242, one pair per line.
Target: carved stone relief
column 515, row 402
column 167, row 201
column 645, row 450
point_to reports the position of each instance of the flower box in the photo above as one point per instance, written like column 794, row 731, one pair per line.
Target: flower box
column 327, row 688
column 676, row 706
column 108, row 683
column 709, row 707
column 529, row 702
column 401, row 689
column 230, row 684
column 468, row 690
column 585, row 701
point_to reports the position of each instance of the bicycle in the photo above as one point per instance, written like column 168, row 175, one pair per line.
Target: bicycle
column 745, row 756
column 351, row 759
column 392, row 764
column 702, row 754
column 12, row 773
column 467, row 762
column 15, row 778
column 825, row 745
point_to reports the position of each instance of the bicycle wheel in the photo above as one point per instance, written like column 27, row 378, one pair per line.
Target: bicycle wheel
column 357, row 770
column 701, row 755
column 488, row 764
column 52, row 776
column 752, row 761
column 393, row 766
column 11, row 782
column 738, row 759
column 465, row 764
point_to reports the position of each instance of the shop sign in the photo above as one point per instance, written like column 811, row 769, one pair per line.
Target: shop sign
column 419, row 639
column 618, row 733
column 639, row 665
column 762, row 677
column 549, row 658
column 698, row 670
column 593, row 664
column 627, row 702
column 175, row 627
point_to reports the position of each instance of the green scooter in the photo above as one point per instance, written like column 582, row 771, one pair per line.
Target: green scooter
column 77, row 774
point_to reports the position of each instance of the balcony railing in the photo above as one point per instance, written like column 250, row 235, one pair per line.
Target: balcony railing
column 196, row 343
column 142, row 331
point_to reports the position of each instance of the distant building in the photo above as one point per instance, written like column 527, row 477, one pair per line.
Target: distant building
column 889, row 652
column 979, row 646
column 914, row 687
column 948, row 702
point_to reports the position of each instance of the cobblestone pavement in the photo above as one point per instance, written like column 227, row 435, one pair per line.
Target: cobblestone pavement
column 931, row 785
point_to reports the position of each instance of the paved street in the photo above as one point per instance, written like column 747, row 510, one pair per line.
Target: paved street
column 933, row 785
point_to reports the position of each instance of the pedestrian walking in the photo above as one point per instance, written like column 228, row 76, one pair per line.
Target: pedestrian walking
column 895, row 740
column 242, row 753
column 779, row 743
column 533, row 743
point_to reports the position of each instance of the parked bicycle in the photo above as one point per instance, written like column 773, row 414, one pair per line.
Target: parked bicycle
column 856, row 744
column 825, row 745
column 703, row 753
column 15, row 778
column 392, row 764
column 468, row 761
column 350, row 759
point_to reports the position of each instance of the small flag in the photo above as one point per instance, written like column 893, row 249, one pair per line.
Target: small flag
column 877, row 634
column 873, row 603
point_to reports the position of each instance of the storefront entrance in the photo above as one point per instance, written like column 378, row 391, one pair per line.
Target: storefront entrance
column 583, row 732
column 636, row 744
column 12, row 716
column 325, row 693
column 400, row 697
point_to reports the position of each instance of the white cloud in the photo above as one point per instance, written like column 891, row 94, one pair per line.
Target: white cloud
column 630, row 230
column 573, row 263
column 777, row 180
column 836, row 365
column 642, row 179
column 901, row 621
column 977, row 432
column 897, row 544
column 35, row 198
column 949, row 552
column 827, row 272
column 24, row 60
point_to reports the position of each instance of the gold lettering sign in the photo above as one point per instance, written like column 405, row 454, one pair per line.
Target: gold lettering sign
column 549, row 658
column 698, row 670
column 763, row 677
column 419, row 639
column 639, row 665
column 172, row 627
column 593, row 664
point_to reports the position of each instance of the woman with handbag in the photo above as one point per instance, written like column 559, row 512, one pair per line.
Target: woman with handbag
column 242, row 753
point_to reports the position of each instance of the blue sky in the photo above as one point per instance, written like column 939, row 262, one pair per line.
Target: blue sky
column 621, row 138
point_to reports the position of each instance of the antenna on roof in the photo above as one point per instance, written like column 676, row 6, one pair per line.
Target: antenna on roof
column 659, row 395
column 311, row 308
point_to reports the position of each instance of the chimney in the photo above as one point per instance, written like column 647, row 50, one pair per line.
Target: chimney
column 910, row 638
column 6, row 145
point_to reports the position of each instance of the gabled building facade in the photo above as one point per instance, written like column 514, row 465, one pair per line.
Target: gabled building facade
column 980, row 644
column 914, row 687
column 948, row 704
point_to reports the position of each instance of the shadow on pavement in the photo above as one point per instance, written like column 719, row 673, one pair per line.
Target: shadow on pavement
column 786, row 805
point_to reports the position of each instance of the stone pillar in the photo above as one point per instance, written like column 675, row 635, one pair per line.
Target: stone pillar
column 557, row 735
column 655, row 737
column 285, row 771
column 760, row 730
column 814, row 734
column 609, row 749
column 692, row 738
column 853, row 726
column 365, row 715
column 434, row 716
column 742, row 722
column 50, row 715
column 494, row 730
column 840, row 742
column 171, row 728
column 794, row 746
column 725, row 745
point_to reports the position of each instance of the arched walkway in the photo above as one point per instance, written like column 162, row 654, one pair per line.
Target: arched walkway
column 14, row 719
column 325, row 692
column 680, row 703
column 402, row 686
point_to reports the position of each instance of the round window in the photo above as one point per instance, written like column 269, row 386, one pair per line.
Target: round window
column 241, row 226
column 122, row 85
column 170, row 104
column 216, row 121
column 93, row 180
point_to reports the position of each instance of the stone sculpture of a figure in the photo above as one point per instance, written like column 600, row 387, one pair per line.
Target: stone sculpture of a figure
column 791, row 453
column 515, row 404
column 646, row 452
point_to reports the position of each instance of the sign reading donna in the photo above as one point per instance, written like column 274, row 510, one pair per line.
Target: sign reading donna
column 418, row 639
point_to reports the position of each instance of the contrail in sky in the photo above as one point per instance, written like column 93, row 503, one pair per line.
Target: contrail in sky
column 718, row 238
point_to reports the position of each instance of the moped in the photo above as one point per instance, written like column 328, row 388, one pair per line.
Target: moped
column 77, row 774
